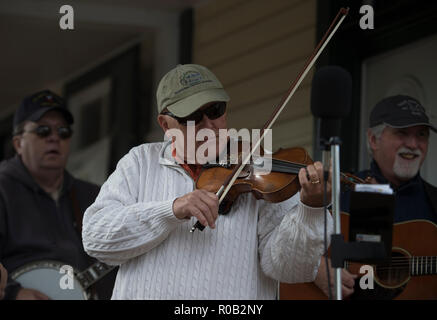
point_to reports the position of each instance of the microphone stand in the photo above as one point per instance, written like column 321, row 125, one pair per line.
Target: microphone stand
column 334, row 145
column 365, row 251
column 335, row 142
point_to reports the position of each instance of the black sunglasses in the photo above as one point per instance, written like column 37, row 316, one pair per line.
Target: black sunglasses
column 44, row 131
column 213, row 112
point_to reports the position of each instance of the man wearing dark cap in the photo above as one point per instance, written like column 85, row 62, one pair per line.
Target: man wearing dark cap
column 397, row 138
column 41, row 204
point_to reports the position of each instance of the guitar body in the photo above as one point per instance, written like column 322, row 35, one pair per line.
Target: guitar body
column 418, row 238
column 412, row 238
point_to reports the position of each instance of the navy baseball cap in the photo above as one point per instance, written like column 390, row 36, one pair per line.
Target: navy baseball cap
column 36, row 105
column 399, row 112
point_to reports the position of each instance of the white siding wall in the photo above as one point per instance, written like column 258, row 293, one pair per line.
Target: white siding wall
column 257, row 48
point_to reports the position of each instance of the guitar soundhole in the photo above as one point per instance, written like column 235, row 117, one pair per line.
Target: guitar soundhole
column 395, row 273
column 390, row 280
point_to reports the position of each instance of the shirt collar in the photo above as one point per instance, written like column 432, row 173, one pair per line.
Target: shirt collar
column 166, row 159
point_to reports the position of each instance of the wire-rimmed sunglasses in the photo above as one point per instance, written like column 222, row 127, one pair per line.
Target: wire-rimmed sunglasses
column 44, row 131
column 213, row 112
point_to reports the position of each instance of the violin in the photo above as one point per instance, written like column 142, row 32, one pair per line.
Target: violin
column 280, row 184
column 222, row 187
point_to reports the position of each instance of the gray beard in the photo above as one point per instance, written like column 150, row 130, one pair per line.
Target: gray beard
column 407, row 169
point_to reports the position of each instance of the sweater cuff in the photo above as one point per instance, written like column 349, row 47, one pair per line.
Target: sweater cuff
column 166, row 215
column 310, row 215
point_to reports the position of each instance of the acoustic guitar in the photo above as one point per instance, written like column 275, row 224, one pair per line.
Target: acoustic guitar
column 412, row 273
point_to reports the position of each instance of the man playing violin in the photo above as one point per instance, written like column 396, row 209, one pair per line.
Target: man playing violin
column 397, row 140
column 37, row 218
column 142, row 217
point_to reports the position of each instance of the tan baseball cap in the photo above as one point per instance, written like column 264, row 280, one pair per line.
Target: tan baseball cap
column 188, row 87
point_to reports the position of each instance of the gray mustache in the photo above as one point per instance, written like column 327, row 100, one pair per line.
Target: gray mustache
column 416, row 152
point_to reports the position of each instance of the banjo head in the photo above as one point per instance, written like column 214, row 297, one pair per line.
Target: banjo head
column 46, row 277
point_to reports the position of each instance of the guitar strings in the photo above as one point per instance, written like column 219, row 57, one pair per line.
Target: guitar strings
column 418, row 264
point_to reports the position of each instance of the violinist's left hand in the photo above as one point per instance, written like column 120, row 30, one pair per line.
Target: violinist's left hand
column 312, row 183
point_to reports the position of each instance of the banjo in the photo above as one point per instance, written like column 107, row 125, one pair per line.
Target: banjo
column 60, row 281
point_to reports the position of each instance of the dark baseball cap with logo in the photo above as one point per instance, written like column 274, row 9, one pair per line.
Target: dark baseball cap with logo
column 33, row 107
column 399, row 112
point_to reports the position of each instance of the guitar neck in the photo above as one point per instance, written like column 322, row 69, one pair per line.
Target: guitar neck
column 423, row 265
column 417, row 265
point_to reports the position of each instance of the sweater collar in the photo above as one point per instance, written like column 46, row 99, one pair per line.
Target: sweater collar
column 165, row 156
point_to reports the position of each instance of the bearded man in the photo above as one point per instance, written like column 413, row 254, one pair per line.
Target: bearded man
column 398, row 138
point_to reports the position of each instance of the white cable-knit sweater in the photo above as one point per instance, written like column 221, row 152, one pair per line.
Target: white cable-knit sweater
column 132, row 224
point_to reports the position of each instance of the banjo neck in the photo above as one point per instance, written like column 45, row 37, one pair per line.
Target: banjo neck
column 93, row 274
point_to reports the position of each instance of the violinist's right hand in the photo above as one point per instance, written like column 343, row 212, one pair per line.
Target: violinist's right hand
column 201, row 204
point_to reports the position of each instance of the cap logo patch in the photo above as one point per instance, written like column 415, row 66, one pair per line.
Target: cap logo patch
column 191, row 78
column 412, row 106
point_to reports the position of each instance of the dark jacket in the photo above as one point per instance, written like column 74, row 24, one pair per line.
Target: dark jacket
column 415, row 199
column 33, row 226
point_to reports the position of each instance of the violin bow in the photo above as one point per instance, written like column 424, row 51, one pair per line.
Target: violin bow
column 224, row 189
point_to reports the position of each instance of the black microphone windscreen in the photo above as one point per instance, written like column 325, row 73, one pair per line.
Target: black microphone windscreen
column 327, row 128
column 331, row 93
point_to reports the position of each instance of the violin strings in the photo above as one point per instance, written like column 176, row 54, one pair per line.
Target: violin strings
column 288, row 163
column 285, row 166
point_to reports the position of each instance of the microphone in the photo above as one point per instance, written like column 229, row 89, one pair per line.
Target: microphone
column 330, row 101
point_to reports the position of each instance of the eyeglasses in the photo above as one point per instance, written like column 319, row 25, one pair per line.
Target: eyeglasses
column 213, row 112
column 44, row 131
